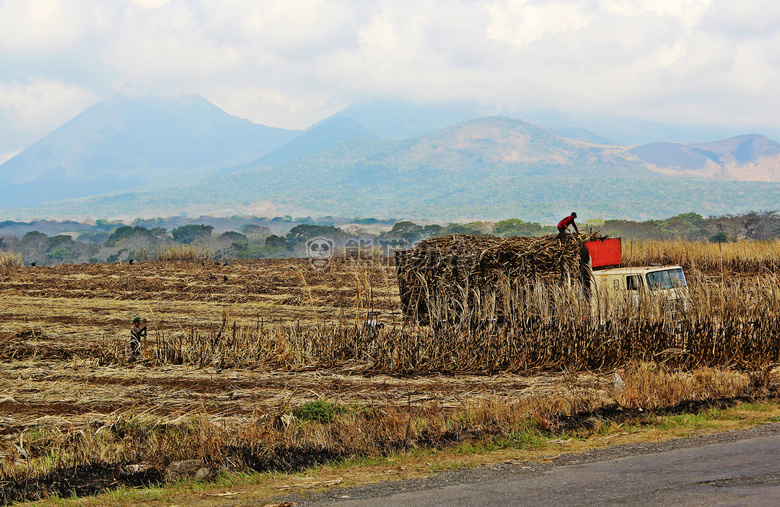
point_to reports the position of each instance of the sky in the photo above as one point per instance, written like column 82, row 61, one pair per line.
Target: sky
column 290, row 64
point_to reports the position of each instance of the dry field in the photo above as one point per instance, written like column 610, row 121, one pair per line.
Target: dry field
column 61, row 326
column 227, row 357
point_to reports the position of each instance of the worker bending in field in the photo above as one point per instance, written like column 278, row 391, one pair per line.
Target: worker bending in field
column 564, row 224
column 136, row 332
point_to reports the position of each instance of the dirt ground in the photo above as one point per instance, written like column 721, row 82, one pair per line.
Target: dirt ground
column 58, row 313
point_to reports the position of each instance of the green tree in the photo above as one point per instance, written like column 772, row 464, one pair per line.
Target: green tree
column 59, row 241
column 189, row 233
column 232, row 236
column 102, row 223
column 304, row 232
column 61, row 254
column 721, row 237
column 481, row 228
column 158, row 233
column 686, row 225
column 457, row 229
column 517, row 227
column 405, row 230
column 433, row 230
column 126, row 232
column 36, row 240
column 258, row 230
column 244, row 250
column 274, row 241
column 94, row 237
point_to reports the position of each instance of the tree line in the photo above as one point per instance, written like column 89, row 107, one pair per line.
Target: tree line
column 120, row 243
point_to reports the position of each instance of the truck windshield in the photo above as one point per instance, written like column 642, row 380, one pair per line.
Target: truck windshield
column 666, row 279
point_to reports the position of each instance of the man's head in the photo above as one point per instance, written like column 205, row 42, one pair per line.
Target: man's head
column 573, row 214
column 137, row 320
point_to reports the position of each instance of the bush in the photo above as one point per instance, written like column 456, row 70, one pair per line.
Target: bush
column 10, row 260
column 127, row 232
column 302, row 233
column 274, row 241
column 517, row 227
column 318, row 411
column 189, row 233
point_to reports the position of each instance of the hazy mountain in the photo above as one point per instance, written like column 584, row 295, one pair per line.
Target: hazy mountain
column 632, row 131
column 321, row 136
column 580, row 134
column 489, row 168
column 673, row 155
column 126, row 142
column 747, row 158
column 494, row 167
column 398, row 119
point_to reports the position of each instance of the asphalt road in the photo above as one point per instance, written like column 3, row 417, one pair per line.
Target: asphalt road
column 732, row 468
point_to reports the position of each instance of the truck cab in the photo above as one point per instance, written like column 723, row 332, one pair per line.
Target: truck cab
column 665, row 285
column 610, row 284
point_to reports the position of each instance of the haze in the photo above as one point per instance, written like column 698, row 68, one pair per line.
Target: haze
column 289, row 64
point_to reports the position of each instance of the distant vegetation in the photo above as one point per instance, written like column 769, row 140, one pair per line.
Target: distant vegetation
column 51, row 242
column 483, row 168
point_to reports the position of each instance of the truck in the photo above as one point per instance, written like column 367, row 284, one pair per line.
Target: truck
column 611, row 281
column 477, row 278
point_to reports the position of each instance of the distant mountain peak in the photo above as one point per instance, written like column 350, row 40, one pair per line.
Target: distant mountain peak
column 744, row 149
column 749, row 157
column 127, row 141
column 580, row 134
column 322, row 135
column 195, row 158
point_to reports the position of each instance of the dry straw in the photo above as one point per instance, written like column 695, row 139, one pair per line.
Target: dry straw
column 9, row 260
column 548, row 328
column 446, row 278
column 173, row 253
column 735, row 257
column 731, row 323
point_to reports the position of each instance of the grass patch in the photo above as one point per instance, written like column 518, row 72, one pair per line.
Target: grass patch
column 681, row 421
column 320, row 411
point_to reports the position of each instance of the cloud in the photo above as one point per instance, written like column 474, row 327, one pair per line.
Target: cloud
column 34, row 108
column 291, row 64
column 742, row 19
column 523, row 22
column 151, row 4
column 8, row 156
column 43, row 26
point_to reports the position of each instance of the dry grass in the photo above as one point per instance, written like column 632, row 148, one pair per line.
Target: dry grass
column 729, row 327
column 173, row 253
column 747, row 257
column 129, row 447
column 227, row 363
column 9, row 260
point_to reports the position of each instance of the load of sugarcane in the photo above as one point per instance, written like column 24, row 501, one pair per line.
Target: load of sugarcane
column 459, row 278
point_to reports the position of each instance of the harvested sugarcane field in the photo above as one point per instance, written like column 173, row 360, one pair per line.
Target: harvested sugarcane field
column 279, row 364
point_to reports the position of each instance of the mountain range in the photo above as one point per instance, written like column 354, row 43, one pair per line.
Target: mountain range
column 141, row 157
column 128, row 142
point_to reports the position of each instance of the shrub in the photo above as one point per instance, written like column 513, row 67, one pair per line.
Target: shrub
column 319, row 411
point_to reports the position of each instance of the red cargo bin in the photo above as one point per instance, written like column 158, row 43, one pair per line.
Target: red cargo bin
column 604, row 252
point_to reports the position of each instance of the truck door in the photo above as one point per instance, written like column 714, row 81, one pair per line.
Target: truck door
column 633, row 286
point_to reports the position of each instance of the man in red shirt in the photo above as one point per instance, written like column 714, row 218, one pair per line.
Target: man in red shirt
column 564, row 224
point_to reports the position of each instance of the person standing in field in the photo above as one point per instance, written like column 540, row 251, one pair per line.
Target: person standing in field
column 564, row 224
column 136, row 333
